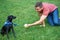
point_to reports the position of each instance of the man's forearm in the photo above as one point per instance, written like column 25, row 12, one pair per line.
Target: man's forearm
column 37, row 22
column 40, row 21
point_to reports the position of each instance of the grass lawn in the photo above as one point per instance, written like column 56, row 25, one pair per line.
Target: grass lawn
column 25, row 13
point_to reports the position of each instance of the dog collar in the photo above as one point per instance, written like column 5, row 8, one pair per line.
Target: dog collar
column 8, row 22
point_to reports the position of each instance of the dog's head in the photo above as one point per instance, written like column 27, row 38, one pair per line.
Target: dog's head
column 11, row 17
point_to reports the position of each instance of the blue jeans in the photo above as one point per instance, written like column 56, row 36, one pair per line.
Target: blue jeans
column 53, row 18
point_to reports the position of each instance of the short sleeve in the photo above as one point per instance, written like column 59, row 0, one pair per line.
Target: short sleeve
column 46, row 11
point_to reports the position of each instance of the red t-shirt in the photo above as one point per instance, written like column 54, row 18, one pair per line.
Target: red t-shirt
column 47, row 8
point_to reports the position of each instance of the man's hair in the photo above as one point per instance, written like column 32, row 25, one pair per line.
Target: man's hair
column 39, row 4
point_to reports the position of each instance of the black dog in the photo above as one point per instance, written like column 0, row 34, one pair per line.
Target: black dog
column 8, row 26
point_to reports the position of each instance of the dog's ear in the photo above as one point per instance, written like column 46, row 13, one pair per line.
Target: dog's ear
column 8, row 17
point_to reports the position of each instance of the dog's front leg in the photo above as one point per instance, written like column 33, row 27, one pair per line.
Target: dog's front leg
column 7, row 34
column 13, row 32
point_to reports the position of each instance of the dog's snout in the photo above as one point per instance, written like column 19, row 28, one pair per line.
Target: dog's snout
column 11, row 17
column 14, row 17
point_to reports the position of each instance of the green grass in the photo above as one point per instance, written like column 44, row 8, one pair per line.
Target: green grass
column 25, row 13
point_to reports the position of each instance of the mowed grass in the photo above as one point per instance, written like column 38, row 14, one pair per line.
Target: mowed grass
column 25, row 12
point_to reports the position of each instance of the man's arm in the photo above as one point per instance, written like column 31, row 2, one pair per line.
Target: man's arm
column 43, row 17
column 40, row 14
